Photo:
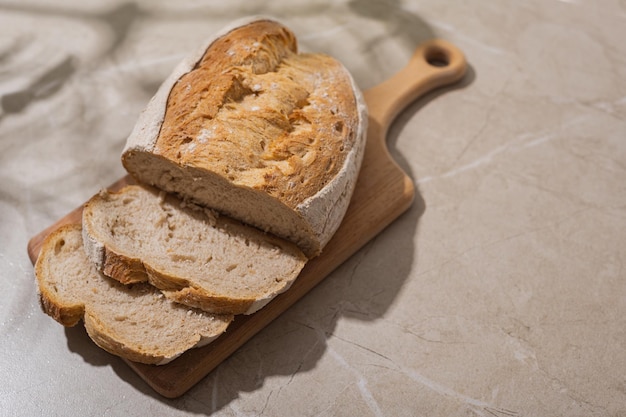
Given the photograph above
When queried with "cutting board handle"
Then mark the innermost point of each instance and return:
(434, 63)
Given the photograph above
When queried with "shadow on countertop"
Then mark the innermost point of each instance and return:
(305, 343)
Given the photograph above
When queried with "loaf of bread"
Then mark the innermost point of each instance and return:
(252, 128)
(195, 256)
(253, 150)
(132, 321)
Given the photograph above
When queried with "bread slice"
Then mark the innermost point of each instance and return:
(250, 127)
(194, 256)
(135, 322)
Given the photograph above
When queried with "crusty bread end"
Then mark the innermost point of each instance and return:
(135, 322)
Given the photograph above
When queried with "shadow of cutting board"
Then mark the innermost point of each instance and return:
(383, 192)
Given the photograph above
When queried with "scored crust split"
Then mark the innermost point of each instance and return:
(252, 128)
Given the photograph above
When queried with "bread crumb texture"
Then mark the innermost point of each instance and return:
(200, 259)
(260, 115)
(132, 321)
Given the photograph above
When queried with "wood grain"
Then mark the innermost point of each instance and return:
(382, 193)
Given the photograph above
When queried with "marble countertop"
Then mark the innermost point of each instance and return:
(501, 292)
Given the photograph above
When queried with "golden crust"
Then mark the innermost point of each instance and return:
(262, 116)
(66, 314)
(125, 269)
(181, 291)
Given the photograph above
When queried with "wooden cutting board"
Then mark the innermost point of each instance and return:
(383, 192)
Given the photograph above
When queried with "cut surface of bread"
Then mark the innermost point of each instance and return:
(135, 322)
(252, 128)
(193, 255)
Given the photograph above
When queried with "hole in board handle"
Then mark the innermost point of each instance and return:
(437, 57)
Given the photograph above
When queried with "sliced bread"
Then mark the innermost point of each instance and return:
(250, 127)
(193, 255)
(135, 322)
